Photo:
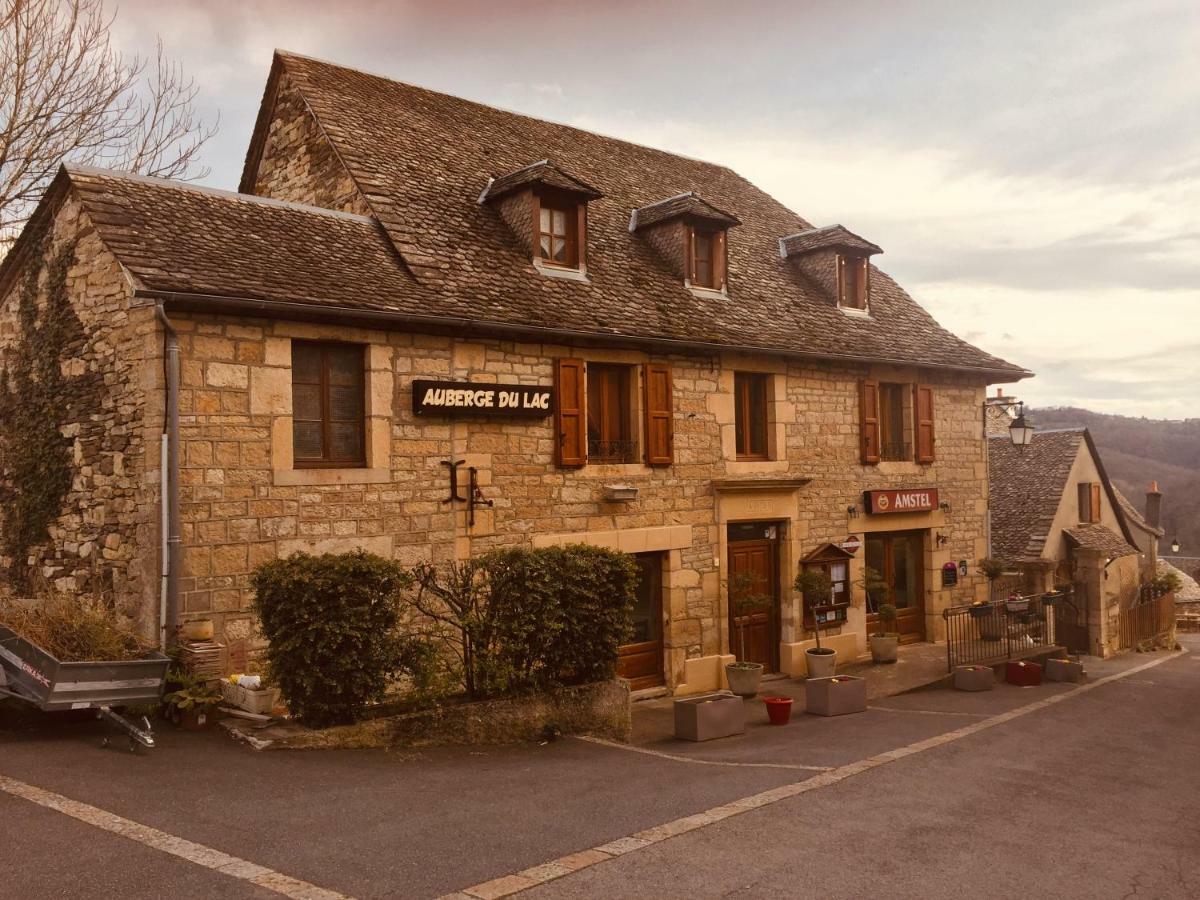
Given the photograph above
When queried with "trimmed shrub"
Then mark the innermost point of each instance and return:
(331, 623)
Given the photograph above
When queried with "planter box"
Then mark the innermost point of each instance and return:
(974, 678)
(260, 701)
(836, 696)
(1064, 670)
(709, 716)
(1023, 673)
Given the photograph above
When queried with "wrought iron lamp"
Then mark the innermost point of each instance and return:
(1175, 545)
(1020, 431)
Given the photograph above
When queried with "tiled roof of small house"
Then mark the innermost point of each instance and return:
(1189, 589)
(825, 238)
(1094, 536)
(689, 205)
(1026, 488)
(1133, 516)
(420, 159)
(542, 172)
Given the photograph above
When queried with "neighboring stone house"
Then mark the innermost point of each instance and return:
(606, 343)
(1058, 520)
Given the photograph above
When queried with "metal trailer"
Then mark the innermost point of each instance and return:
(30, 674)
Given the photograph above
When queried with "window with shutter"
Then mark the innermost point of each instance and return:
(868, 409)
(706, 258)
(559, 227)
(1095, 507)
(570, 416)
(750, 414)
(328, 405)
(610, 414)
(1085, 502)
(923, 402)
(660, 414)
(853, 279)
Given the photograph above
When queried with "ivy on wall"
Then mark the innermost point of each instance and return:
(35, 458)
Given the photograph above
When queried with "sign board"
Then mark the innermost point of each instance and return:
(918, 500)
(851, 544)
(949, 574)
(458, 398)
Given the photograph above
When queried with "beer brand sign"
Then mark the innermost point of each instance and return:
(456, 398)
(914, 500)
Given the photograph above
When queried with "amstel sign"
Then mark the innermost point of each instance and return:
(879, 503)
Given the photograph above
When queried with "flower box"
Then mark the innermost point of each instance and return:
(974, 678)
(836, 696)
(709, 716)
(1023, 673)
(1064, 670)
(260, 702)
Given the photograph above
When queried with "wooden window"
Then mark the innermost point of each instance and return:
(1089, 502)
(660, 414)
(706, 258)
(1095, 502)
(559, 224)
(868, 413)
(610, 414)
(750, 414)
(895, 443)
(328, 402)
(570, 415)
(853, 275)
(923, 419)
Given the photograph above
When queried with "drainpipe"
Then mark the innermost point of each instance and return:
(172, 540)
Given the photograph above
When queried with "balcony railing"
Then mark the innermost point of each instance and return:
(1002, 629)
(612, 451)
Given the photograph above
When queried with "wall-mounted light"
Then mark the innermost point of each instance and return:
(852, 512)
(944, 506)
(942, 539)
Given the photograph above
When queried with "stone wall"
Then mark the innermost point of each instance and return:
(106, 536)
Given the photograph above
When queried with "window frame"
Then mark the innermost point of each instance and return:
(717, 259)
(326, 461)
(860, 302)
(611, 379)
(743, 383)
(899, 393)
(575, 221)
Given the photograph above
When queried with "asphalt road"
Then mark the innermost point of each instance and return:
(1094, 796)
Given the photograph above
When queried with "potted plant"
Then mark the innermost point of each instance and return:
(885, 643)
(992, 569)
(815, 587)
(191, 705)
(744, 677)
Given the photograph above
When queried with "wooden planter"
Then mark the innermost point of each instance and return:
(709, 716)
(836, 696)
(1064, 670)
(974, 678)
(1023, 673)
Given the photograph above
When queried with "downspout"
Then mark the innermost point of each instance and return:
(172, 540)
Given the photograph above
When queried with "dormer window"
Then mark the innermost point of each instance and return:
(708, 258)
(685, 222)
(559, 224)
(853, 281)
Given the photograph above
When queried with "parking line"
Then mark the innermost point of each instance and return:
(515, 883)
(929, 712)
(186, 850)
(674, 757)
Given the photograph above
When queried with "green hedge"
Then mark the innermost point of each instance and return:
(331, 623)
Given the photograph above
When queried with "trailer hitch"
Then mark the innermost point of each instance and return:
(143, 735)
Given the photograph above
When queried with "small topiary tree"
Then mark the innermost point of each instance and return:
(331, 623)
(815, 586)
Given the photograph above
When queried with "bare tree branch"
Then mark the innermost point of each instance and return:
(68, 96)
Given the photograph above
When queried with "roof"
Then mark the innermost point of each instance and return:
(1133, 516)
(175, 237)
(828, 237)
(420, 159)
(1189, 590)
(542, 172)
(689, 205)
(1026, 488)
(1094, 536)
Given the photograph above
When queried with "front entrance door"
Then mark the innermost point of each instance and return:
(899, 557)
(641, 660)
(754, 597)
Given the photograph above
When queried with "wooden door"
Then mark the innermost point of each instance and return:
(754, 633)
(899, 557)
(641, 660)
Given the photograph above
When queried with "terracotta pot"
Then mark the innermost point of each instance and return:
(198, 718)
(744, 678)
(820, 665)
(779, 709)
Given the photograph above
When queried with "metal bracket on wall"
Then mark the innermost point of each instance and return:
(453, 466)
(475, 496)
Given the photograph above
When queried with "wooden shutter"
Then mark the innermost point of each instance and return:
(570, 417)
(923, 405)
(689, 253)
(1095, 510)
(718, 260)
(660, 415)
(868, 411)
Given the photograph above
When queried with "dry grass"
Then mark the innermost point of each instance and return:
(74, 628)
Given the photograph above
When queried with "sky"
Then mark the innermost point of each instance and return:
(1031, 169)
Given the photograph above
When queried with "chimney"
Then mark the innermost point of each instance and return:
(1154, 505)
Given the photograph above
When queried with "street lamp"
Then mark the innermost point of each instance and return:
(1175, 545)
(1020, 431)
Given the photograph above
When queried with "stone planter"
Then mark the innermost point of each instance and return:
(836, 696)
(744, 678)
(1064, 670)
(821, 664)
(709, 716)
(885, 648)
(1023, 673)
(974, 678)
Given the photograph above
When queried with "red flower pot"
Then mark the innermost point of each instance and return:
(1023, 673)
(779, 709)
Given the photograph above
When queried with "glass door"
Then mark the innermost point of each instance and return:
(899, 559)
(641, 660)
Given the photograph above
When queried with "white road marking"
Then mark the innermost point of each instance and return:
(169, 843)
(507, 885)
(697, 762)
(929, 712)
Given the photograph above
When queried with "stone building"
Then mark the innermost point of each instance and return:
(600, 342)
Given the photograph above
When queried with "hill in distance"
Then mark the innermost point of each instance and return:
(1137, 451)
